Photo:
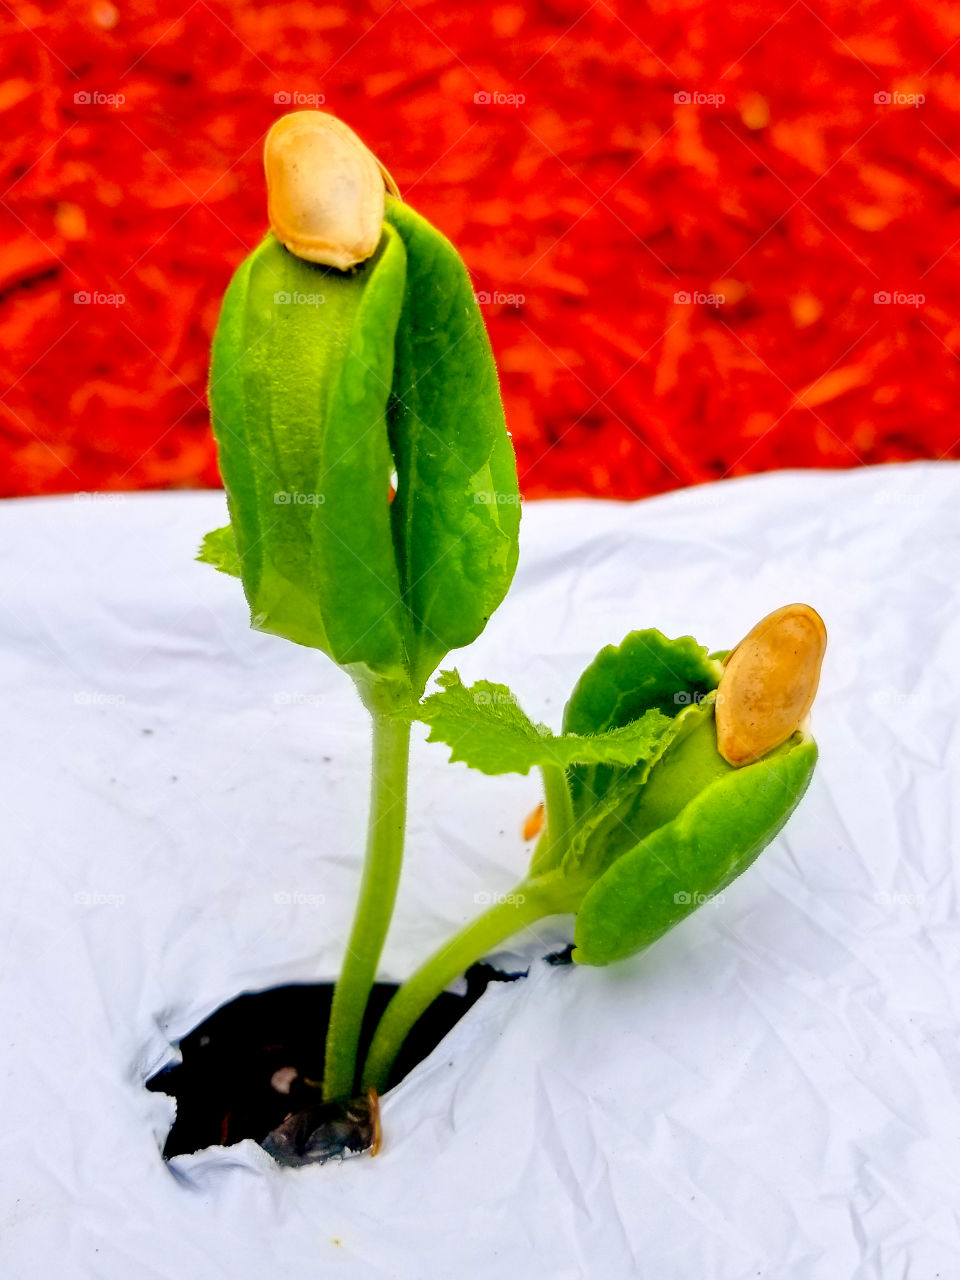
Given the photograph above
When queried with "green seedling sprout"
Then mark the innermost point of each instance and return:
(370, 480)
(374, 513)
(672, 773)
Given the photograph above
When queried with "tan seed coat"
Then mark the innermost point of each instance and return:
(325, 189)
(769, 683)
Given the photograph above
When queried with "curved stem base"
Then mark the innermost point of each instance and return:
(515, 911)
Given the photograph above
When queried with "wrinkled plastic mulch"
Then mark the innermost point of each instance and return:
(781, 167)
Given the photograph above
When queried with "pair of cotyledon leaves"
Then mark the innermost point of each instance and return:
(326, 385)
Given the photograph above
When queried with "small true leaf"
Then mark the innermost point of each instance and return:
(485, 727)
(219, 548)
(647, 671)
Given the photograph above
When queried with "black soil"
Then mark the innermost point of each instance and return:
(259, 1058)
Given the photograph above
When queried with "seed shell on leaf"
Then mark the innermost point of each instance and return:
(769, 683)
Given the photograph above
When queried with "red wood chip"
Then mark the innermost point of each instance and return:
(707, 240)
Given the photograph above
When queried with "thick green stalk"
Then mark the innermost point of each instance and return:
(528, 903)
(378, 891)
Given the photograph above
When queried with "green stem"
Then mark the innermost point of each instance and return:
(378, 891)
(513, 912)
(559, 821)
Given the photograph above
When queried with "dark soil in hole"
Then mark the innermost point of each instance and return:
(251, 1063)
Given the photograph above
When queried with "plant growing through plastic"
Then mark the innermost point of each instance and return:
(324, 384)
(374, 514)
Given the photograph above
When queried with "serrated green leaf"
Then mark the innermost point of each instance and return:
(219, 548)
(485, 727)
(689, 859)
(647, 671)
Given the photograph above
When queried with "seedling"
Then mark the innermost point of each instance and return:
(374, 513)
(646, 816)
(371, 484)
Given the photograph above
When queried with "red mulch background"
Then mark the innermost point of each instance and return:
(596, 200)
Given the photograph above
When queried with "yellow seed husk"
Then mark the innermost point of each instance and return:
(325, 189)
(769, 683)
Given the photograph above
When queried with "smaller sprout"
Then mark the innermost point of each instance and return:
(769, 683)
(325, 189)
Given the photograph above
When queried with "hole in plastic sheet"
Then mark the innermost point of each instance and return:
(259, 1059)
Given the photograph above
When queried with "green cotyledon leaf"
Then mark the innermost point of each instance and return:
(219, 548)
(485, 727)
(323, 385)
(646, 671)
(301, 372)
(457, 509)
(688, 859)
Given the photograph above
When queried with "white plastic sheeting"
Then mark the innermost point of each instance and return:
(773, 1090)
